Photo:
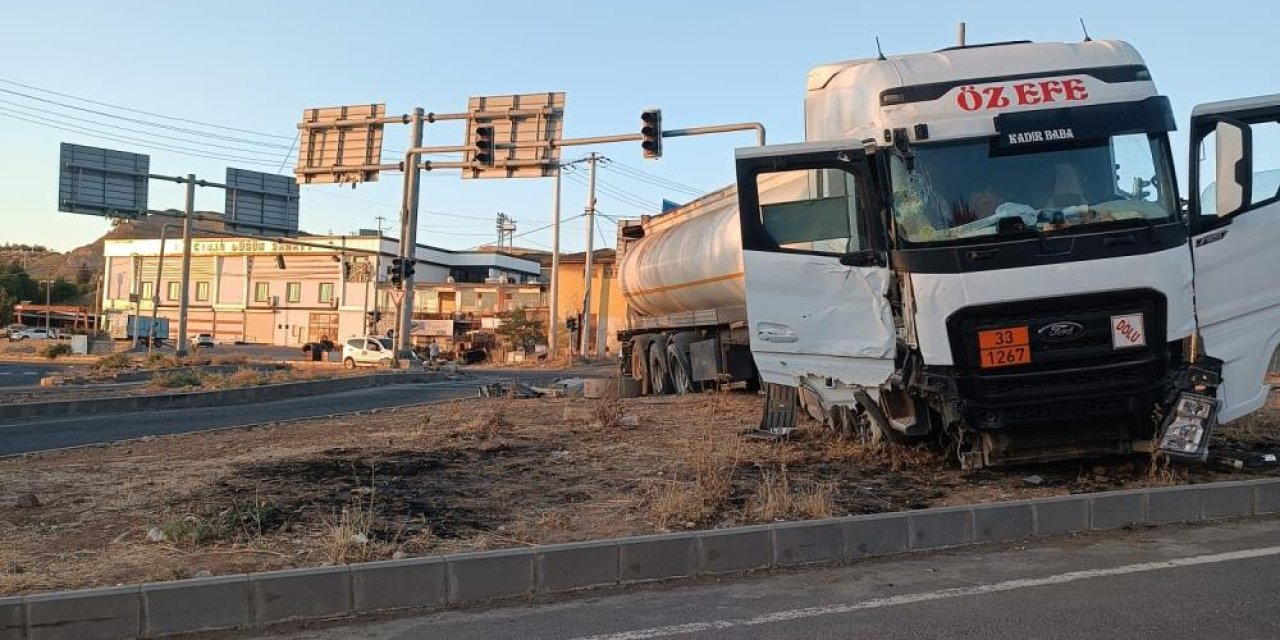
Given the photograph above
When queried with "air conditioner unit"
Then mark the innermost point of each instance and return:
(275, 301)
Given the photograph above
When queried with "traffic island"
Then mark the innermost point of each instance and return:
(261, 599)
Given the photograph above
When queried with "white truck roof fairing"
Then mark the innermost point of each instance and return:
(956, 93)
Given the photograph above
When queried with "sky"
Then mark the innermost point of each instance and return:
(255, 66)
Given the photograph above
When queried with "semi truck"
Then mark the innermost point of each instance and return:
(982, 245)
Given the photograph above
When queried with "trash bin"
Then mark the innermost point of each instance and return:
(317, 353)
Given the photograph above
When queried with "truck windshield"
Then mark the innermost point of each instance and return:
(975, 189)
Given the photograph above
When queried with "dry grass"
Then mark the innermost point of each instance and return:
(777, 499)
(471, 475)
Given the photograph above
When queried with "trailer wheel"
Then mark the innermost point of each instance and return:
(660, 382)
(681, 374)
(640, 363)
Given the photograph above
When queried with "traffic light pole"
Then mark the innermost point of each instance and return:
(185, 287)
(553, 322)
(409, 235)
(583, 331)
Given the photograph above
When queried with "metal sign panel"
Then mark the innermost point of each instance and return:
(532, 122)
(348, 137)
(102, 182)
(261, 200)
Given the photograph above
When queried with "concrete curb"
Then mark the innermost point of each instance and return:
(256, 600)
(246, 395)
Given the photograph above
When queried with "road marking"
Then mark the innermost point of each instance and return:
(944, 594)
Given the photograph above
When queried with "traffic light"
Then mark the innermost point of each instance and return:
(571, 323)
(395, 272)
(406, 268)
(651, 133)
(482, 145)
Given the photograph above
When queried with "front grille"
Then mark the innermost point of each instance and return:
(1087, 367)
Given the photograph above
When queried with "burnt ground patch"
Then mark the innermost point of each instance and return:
(448, 493)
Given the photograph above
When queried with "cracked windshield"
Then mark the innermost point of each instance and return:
(972, 189)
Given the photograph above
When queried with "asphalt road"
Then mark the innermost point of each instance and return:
(1171, 583)
(32, 435)
(26, 374)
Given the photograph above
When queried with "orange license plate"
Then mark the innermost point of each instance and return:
(1004, 347)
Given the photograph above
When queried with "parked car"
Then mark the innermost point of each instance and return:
(369, 351)
(202, 340)
(34, 333)
(11, 330)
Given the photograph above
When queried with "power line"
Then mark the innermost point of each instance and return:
(146, 144)
(532, 231)
(620, 198)
(44, 115)
(289, 153)
(147, 113)
(642, 175)
(216, 136)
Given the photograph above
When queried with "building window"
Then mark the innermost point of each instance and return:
(147, 290)
(326, 292)
(294, 292)
(202, 292)
(175, 290)
(261, 292)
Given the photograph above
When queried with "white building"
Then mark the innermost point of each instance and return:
(267, 292)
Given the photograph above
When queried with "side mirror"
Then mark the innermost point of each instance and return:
(1233, 166)
(859, 259)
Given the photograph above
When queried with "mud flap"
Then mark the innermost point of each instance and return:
(779, 410)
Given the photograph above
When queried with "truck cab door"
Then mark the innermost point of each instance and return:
(1235, 229)
(814, 265)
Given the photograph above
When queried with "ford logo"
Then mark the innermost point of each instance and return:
(1062, 331)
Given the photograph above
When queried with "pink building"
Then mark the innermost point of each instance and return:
(267, 292)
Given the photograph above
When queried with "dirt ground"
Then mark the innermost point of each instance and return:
(476, 474)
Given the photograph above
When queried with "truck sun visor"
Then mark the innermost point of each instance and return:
(1055, 126)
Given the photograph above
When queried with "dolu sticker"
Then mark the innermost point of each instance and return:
(1128, 331)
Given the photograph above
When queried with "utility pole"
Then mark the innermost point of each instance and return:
(48, 300)
(553, 321)
(185, 287)
(584, 347)
(409, 237)
(155, 293)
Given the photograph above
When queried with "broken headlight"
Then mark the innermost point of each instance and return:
(1186, 430)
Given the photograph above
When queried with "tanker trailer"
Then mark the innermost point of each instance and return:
(682, 277)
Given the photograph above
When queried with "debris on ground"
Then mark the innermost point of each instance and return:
(1034, 481)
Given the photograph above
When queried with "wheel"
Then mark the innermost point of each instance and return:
(349, 363)
(385, 362)
(681, 377)
(659, 381)
(640, 368)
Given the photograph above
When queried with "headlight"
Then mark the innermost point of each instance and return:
(1186, 430)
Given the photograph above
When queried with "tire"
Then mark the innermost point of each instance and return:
(385, 362)
(640, 368)
(659, 381)
(678, 371)
(349, 363)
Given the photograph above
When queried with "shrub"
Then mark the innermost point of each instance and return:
(113, 362)
(177, 379)
(52, 351)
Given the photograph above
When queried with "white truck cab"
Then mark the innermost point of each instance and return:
(988, 242)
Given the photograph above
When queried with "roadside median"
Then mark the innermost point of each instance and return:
(191, 400)
(259, 600)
